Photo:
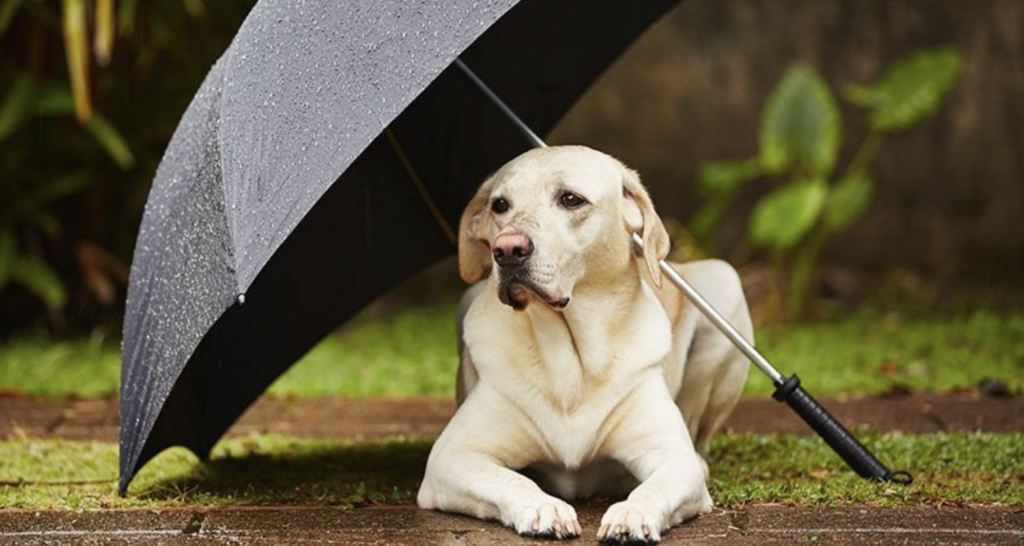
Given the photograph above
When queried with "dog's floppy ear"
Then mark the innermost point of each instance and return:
(656, 241)
(474, 246)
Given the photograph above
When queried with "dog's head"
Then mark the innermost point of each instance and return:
(555, 218)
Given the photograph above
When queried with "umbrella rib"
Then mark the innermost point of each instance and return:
(420, 186)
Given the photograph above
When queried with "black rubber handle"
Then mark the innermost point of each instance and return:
(834, 433)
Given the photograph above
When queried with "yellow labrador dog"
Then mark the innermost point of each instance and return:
(577, 369)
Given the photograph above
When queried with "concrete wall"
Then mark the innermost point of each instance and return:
(951, 191)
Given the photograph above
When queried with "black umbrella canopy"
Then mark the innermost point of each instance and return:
(326, 157)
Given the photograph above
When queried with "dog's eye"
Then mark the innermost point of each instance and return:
(570, 200)
(499, 205)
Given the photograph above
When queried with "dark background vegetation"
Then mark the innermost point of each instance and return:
(950, 198)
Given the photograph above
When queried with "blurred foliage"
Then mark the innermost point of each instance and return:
(800, 140)
(90, 93)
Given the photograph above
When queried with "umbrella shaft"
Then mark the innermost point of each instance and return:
(500, 104)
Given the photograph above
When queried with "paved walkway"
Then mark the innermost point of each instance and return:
(919, 525)
(376, 418)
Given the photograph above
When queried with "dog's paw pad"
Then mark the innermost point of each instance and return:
(627, 522)
(551, 518)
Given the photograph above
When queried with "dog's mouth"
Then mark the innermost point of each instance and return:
(517, 291)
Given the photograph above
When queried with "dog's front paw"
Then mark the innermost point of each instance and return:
(549, 518)
(629, 521)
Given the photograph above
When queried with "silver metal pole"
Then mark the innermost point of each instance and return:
(702, 304)
(500, 104)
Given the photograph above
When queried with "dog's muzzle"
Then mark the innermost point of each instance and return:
(511, 249)
(515, 287)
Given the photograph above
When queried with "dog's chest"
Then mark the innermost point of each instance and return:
(571, 440)
(576, 438)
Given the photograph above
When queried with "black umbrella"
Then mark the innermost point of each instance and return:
(324, 159)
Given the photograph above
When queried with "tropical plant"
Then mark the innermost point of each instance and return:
(90, 92)
(800, 139)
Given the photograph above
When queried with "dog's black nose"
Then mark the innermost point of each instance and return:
(512, 249)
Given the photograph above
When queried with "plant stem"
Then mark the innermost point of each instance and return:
(805, 260)
(802, 271)
(865, 154)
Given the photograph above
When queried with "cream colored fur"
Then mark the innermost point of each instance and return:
(621, 388)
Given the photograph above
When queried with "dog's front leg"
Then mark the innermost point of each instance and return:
(475, 484)
(470, 471)
(658, 452)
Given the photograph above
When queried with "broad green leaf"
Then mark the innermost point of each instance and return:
(8, 252)
(784, 216)
(911, 89)
(849, 201)
(801, 129)
(7, 13)
(112, 141)
(17, 105)
(38, 278)
(723, 177)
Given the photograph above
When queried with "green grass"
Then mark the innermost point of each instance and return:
(971, 468)
(89, 367)
(874, 351)
(411, 351)
(405, 353)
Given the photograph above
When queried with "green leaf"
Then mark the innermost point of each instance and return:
(51, 190)
(40, 279)
(724, 177)
(784, 216)
(54, 99)
(8, 252)
(48, 224)
(801, 129)
(28, 97)
(111, 140)
(196, 9)
(76, 52)
(126, 16)
(17, 105)
(849, 201)
(910, 90)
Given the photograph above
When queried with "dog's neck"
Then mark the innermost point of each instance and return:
(607, 329)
